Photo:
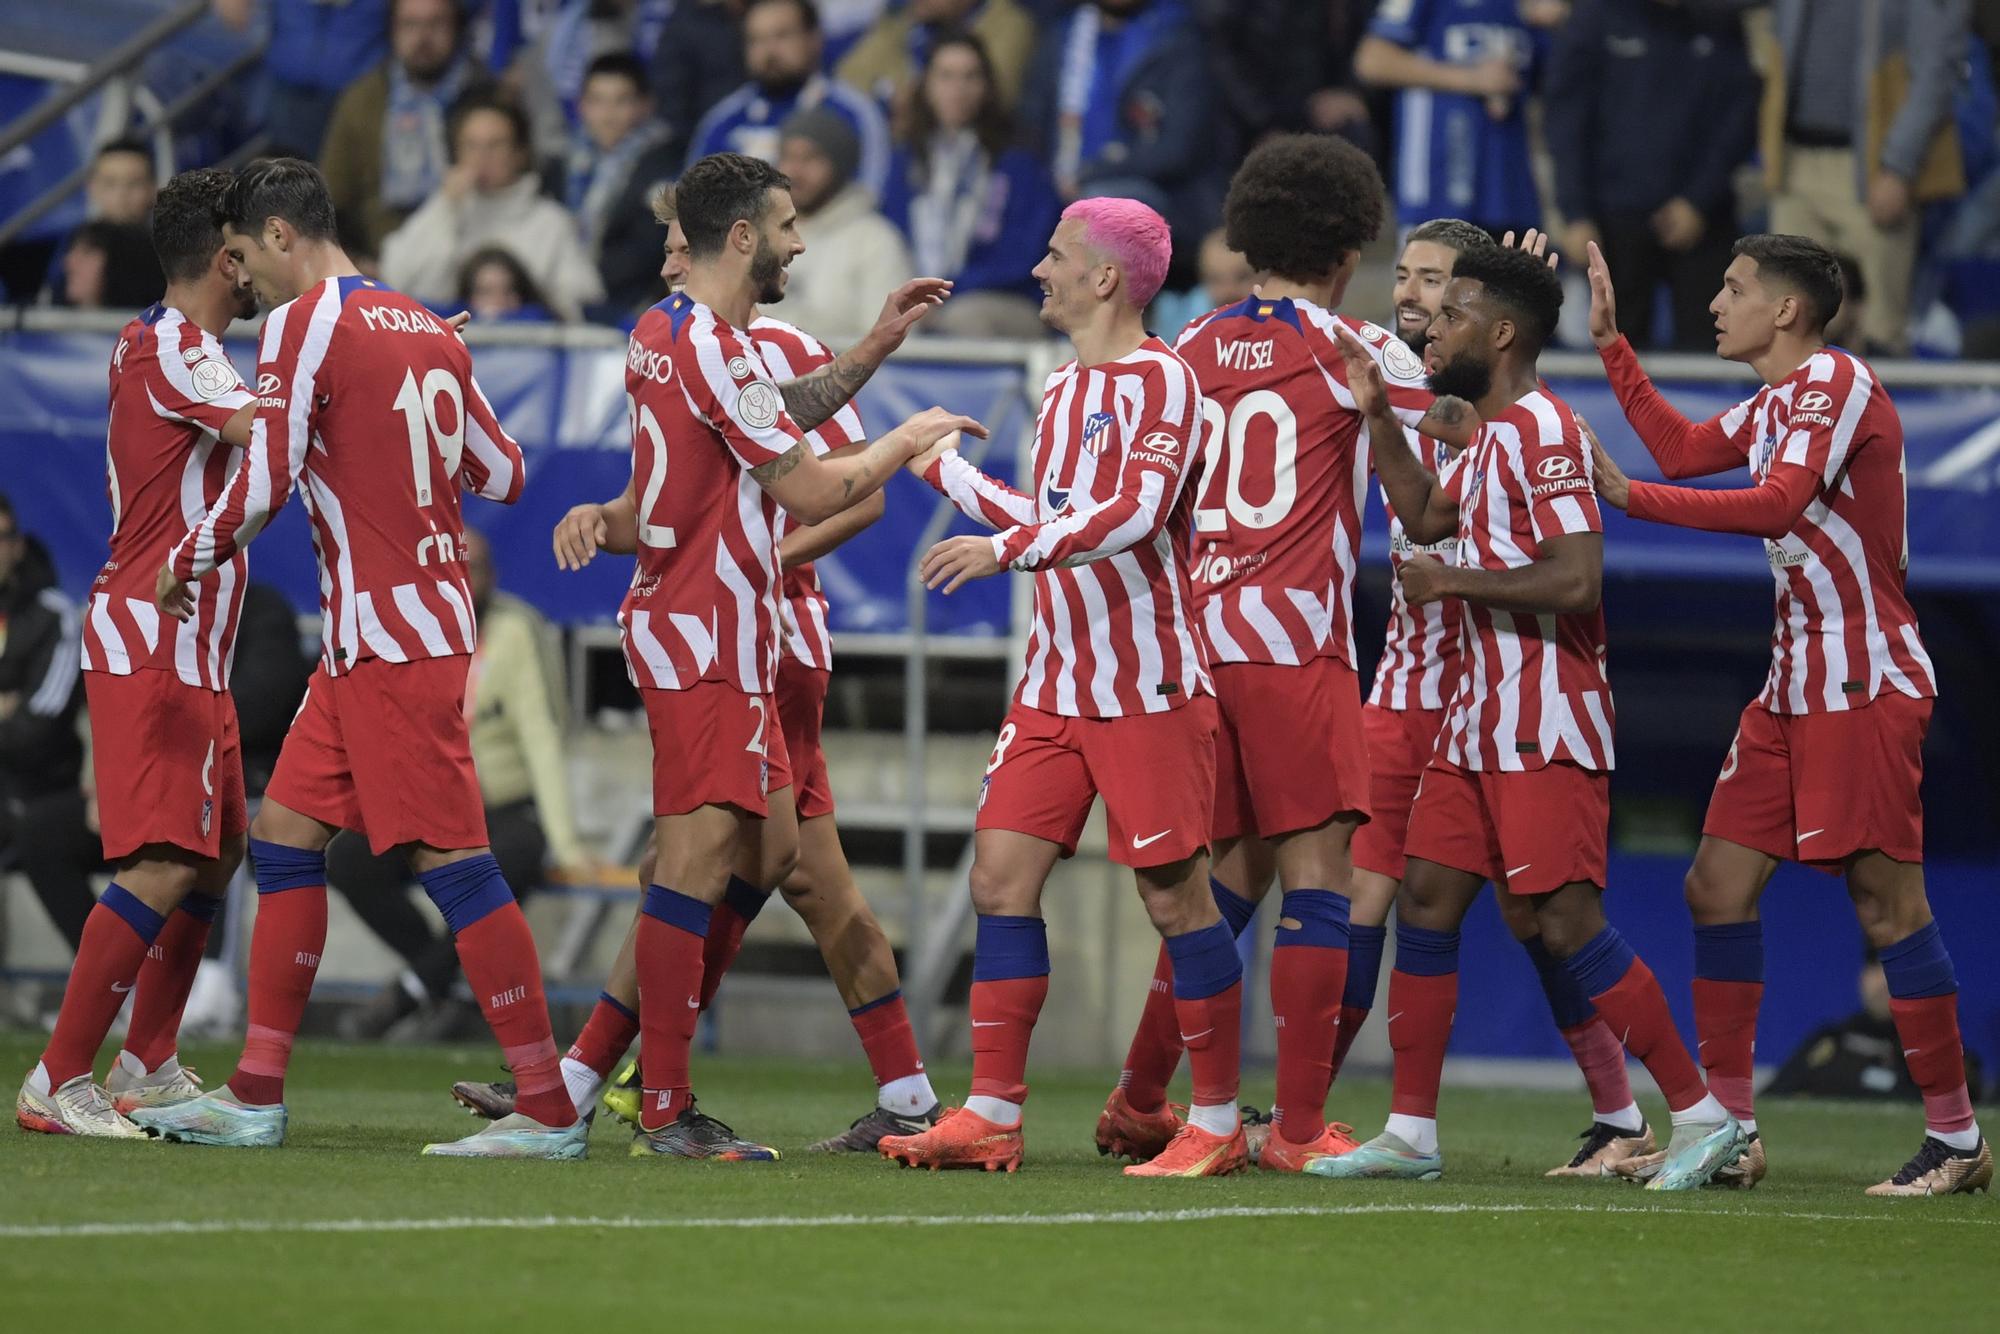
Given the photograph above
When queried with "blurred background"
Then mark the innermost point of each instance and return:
(496, 157)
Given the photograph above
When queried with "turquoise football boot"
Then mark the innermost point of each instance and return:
(1384, 1158)
(214, 1118)
(519, 1136)
(1697, 1152)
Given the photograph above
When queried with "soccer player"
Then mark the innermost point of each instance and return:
(701, 618)
(820, 885)
(168, 764)
(1403, 717)
(1518, 791)
(367, 403)
(1826, 763)
(1115, 698)
(1277, 526)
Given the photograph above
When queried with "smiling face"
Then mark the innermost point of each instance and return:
(1422, 271)
(1072, 278)
(675, 263)
(778, 244)
(1747, 311)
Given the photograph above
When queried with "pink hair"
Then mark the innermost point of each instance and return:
(1133, 237)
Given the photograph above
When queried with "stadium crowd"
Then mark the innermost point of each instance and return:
(493, 155)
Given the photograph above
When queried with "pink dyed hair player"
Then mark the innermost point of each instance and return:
(1133, 236)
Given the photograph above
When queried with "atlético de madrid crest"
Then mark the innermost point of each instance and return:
(1095, 428)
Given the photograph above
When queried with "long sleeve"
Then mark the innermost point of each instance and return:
(421, 256)
(1936, 34)
(978, 497)
(492, 467)
(1681, 447)
(1767, 510)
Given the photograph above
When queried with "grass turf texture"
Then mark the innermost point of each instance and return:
(1491, 1247)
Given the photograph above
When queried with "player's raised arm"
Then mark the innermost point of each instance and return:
(979, 497)
(1428, 514)
(813, 398)
(813, 489)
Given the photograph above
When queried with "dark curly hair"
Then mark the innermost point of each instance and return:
(1516, 280)
(720, 191)
(1802, 264)
(1300, 202)
(185, 233)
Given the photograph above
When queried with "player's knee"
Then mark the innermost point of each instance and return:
(779, 863)
(996, 892)
(1713, 899)
(1889, 914)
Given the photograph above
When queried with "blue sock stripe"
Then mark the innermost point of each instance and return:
(665, 905)
(1731, 952)
(202, 907)
(1917, 966)
(137, 915)
(606, 998)
(1568, 1006)
(1599, 965)
(1424, 953)
(744, 899)
(1008, 947)
(1205, 962)
(1321, 915)
(1364, 965)
(467, 891)
(1235, 909)
(875, 1004)
(280, 867)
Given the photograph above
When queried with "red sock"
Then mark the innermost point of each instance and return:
(741, 903)
(886, 1036)
(1421, 1008)
(107, 963)
(1636, 1010)
(1928, 1027)
(1156, 1046)
(1215, 1057)
(1306, 986)
(1352, 1017)
(670, 972)
(605, 1037)
(285, 946)
(1602, 1059)
(1725, 1021)
(1003, 1020)
(164, 982)
(498, 955)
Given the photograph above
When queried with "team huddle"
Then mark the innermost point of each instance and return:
(1192, 523)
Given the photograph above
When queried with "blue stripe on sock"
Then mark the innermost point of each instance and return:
(467, 891)
(1205, 962)
(744, 899)
(280, 867)
(1567, 1003)
(142, 919)
(1602, 962)
(664, 905)
(1917, 966)
(202, 907)
(1007, 947)
(607, 998)
(1235, 909)
(1364, 965)
(875, 1004)
(1321, 915)
(1424, 953)
(1732, 952)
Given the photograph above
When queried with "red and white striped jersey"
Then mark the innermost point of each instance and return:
(367, 404)
(703, 603)
(1530, 689)
(790, 352)
(1107, 534)
(1420, 649)
(1277, 516)
(172, 391)
(1845, 629)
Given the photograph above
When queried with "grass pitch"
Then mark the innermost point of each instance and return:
(347, 1228)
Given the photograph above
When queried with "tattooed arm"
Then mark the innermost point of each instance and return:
(814, 489)
(813, 398)
(1452, 420)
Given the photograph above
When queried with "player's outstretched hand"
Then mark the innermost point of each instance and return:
(579, 535)
(905, 306)
(172, 596)
(1613, 486)
(931, 425)
(957, 559)
(1535, 242)
(1423, 580)
(920, 462)
(1603, 301)
(1364, 377)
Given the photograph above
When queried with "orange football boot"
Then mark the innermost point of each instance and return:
(1281, 1155)
(1195, 1152)
(959, 1139)
(1124, 1131)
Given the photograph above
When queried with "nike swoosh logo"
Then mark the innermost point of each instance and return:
(1190, 1037)
(1809, 833)
(694, 1003)
(1394, 1017)
(1518, 869)
(1150, 839)
(988, 1023)
(121, 990)
(1912, 1051)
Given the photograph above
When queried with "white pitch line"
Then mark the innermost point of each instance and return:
(551, 1222)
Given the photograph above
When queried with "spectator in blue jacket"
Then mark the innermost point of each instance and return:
(1650, 110)
(1120, 102)
(782, 50)
(974, 209)
(316, 50)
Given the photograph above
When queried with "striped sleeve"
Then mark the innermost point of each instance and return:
(1410, 395)
(188, 378)
(1681, 447)
(978, 497)
(493, 467)
(1554, 472)
(731, 388)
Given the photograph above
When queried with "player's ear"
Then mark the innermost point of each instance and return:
(1505, 334)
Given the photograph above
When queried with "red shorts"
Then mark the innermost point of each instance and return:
(1819, 787)
(713, 745)
(168, 765)
(1528, 832)
(383, 749)
(1400, 743)
(1289, 753)
(801, 706)
(1156, 772)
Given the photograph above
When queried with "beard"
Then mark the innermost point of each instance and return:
(1464, 376)
(246, 303)
(767, 273)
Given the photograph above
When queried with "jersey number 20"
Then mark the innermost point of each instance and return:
(1230, 430)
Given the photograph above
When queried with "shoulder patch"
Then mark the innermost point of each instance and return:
(759, 404)
(213, 378)
(1402, 363)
